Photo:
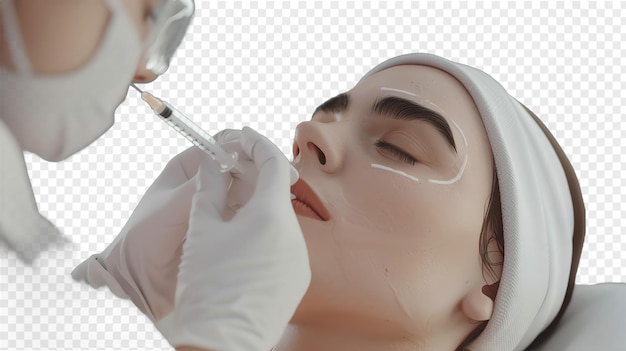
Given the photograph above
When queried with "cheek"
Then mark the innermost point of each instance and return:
(380, 205)
(394, 247)
(398, 227)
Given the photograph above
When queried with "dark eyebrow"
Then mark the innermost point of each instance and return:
(338, 103)
(397, 108)
(403, 109)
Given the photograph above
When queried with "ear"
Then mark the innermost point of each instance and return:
(478, 303)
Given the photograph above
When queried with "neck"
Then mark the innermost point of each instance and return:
(315, 338)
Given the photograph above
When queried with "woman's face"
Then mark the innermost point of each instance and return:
(403, 168)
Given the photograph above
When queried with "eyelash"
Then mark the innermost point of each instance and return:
(401, 155)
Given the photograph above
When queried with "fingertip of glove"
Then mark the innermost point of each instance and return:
(248, 137)
(247, 131)
(293, 173)
(266, 151)
(227, 135)
(78, 273)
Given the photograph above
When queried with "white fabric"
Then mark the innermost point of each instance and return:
(22, 228)
(594, 320)
(55, 116)
(537, 210)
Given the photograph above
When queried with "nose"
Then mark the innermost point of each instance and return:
(319, 143)
(142, 74)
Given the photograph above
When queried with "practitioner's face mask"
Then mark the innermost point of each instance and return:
(55, 116)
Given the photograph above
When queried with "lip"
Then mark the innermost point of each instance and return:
(307, 203)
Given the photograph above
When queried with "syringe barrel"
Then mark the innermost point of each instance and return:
(198, 137)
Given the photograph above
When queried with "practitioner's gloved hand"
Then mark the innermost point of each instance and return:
(240, 280)
(142, 262)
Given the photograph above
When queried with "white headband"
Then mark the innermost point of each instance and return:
(537, 210)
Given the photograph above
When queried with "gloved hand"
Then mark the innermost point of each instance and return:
(240, 280)
(142, 262)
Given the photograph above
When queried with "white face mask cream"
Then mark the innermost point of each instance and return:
(398, 91)
(433, 181)
(404, 174)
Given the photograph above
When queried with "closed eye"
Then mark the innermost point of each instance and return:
(395, 151)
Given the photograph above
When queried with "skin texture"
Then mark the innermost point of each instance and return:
(55, 46)
(397, 266)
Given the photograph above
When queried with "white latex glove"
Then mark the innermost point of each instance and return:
(142, 262)
(240, 280)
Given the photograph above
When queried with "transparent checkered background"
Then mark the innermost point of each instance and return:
(267, 65)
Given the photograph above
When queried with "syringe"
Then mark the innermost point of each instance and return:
(189, 130)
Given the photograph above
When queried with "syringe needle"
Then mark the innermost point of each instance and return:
(190, 130)
(136, 88)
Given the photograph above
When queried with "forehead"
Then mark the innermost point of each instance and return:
(426, 85)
